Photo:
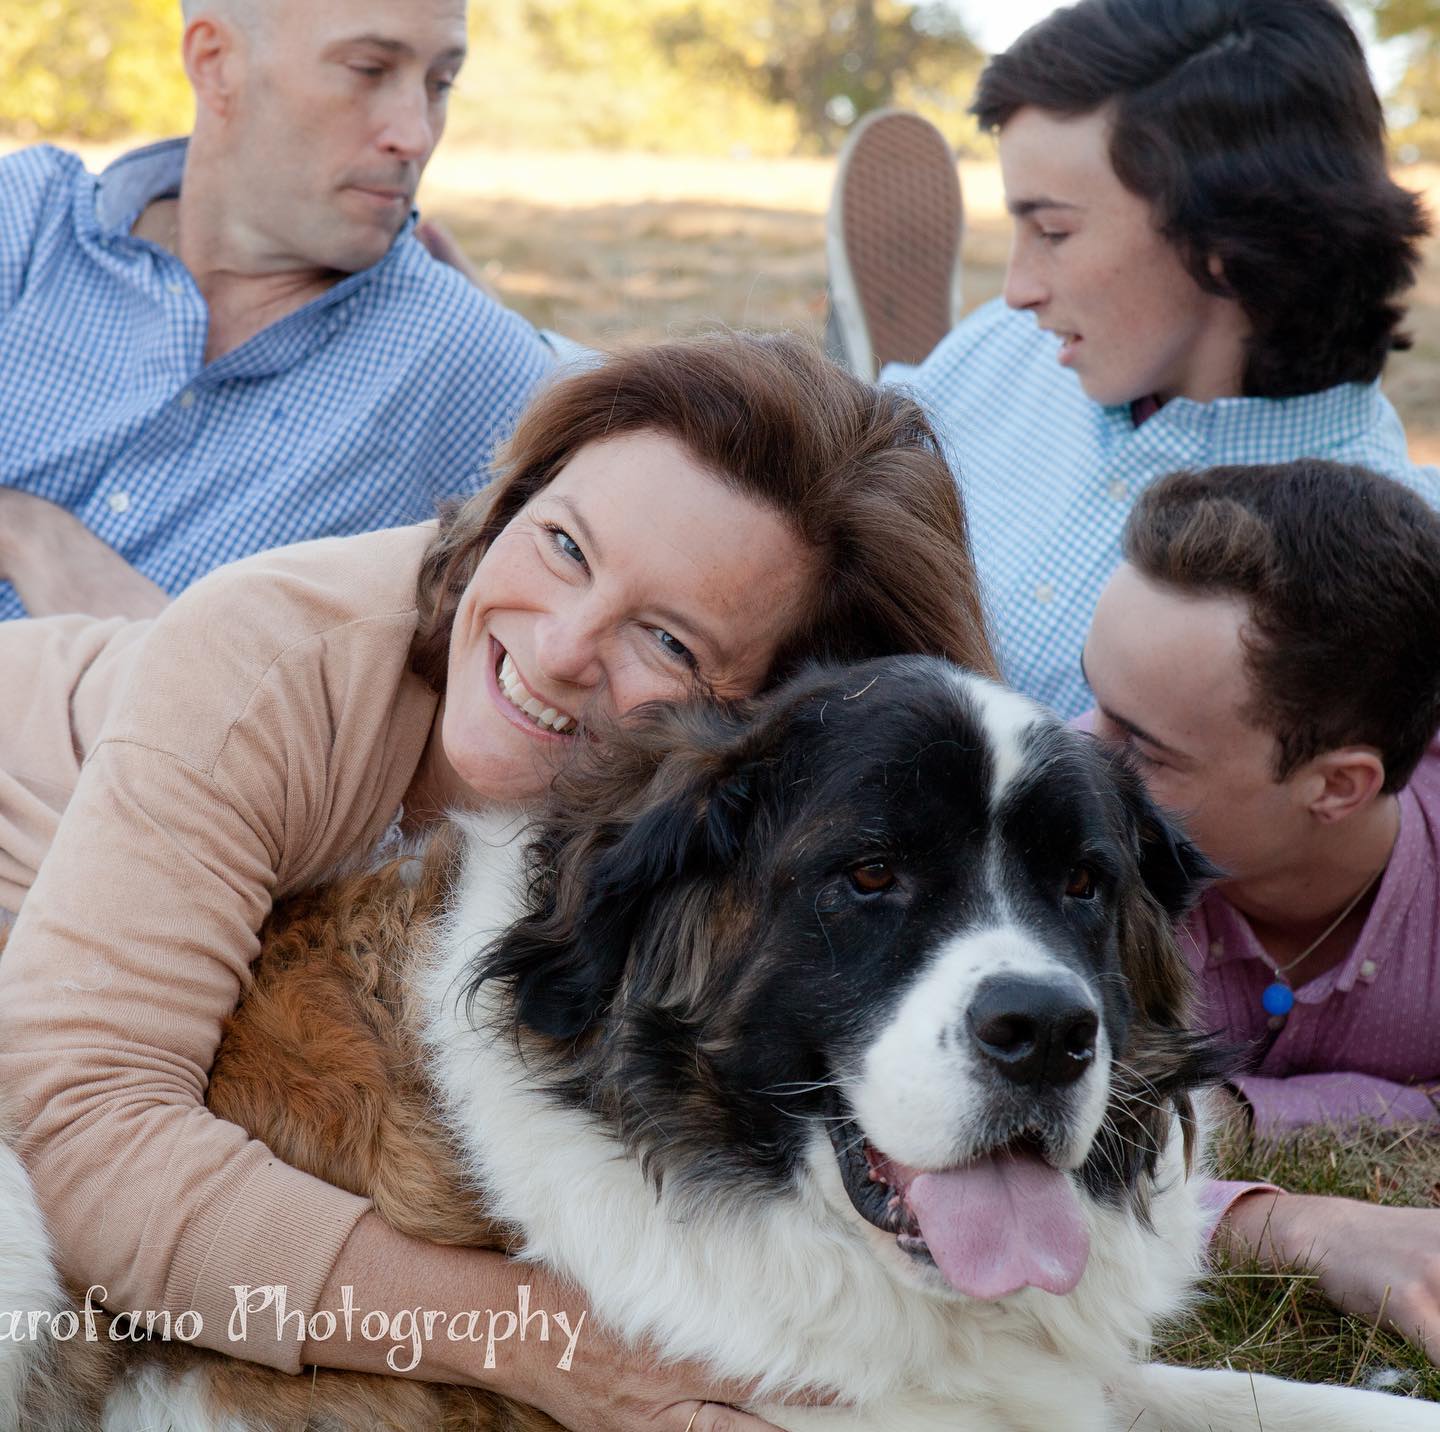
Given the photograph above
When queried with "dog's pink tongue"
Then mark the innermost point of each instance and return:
(1001, 1224)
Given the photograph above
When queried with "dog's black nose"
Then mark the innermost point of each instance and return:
(1034, 1031)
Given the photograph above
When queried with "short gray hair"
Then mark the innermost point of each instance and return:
(242, 12)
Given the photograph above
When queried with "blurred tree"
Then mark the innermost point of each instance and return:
(1405, 17)
(1415, 103)
(92, 68)
(833, 62)
(771, 76)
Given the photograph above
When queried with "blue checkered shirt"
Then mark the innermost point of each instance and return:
(1049, 476)
(358, 411)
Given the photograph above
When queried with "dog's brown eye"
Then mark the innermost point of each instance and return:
(872, 877)
(1081, 883)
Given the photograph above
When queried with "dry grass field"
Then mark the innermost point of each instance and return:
(606, 248)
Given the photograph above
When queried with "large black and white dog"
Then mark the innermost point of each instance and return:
(848, 1045)
(837, 1042)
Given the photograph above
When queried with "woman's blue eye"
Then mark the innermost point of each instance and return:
(567, 544)
(675, 647)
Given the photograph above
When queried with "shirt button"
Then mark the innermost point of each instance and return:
(175, 286)
(119, 501)
(1217, 947)
(1367, 969)
(1117, 491)
(187, 398)
(1044, 594)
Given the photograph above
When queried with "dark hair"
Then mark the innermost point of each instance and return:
(854, 469)
(1254, 132)
(1340, 570)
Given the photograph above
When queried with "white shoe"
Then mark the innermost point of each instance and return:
(892, 242)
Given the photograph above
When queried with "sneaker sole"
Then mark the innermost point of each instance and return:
(893, 241)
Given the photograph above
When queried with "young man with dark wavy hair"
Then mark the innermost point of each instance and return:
(1269, 654)
(1207, 257)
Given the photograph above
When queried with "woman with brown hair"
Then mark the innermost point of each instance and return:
(691, 518)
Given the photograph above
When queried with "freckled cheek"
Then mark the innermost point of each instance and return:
(749, 679)
(510, 577)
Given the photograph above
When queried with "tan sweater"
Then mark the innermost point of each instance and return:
(268, 731)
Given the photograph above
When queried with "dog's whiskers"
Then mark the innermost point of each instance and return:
(811, 1118)
(793, 1088)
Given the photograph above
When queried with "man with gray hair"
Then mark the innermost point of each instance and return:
(236, 341)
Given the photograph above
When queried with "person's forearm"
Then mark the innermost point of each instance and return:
(470, 1295)
(1248, 1228)
(1378, 1263)
(106, 1044)
(58, 566)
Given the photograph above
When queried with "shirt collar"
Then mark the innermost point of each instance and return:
(140, 177)
(1269, 429)
(136, 179)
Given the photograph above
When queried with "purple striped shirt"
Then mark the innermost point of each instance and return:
(1363, 1039)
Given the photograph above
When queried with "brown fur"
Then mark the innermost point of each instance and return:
(320, 1062)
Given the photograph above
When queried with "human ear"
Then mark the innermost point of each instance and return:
(1347, 781)
(210, 50)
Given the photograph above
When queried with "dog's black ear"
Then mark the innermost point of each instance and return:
(567, 959)
(1174, 869)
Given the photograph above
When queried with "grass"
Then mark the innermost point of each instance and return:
(1255, 1320)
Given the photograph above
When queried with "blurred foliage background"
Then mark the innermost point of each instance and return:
(92, 69)
(1414, 104)
(763, 77)
(693, 76)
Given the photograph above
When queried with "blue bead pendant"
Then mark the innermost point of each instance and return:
(1278, 999)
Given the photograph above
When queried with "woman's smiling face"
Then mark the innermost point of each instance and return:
(634, 576)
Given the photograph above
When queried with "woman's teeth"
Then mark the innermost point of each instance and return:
(517, 696)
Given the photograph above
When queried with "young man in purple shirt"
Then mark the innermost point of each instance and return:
(1269, 654)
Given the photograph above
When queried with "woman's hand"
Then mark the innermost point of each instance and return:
(605, 1385)
(1381, 1264)
(613, 1387)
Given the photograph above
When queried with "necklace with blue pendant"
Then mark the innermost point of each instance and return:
(1277, 999)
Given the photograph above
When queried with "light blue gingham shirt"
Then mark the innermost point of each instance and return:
(358, 411)
(1049, 476)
